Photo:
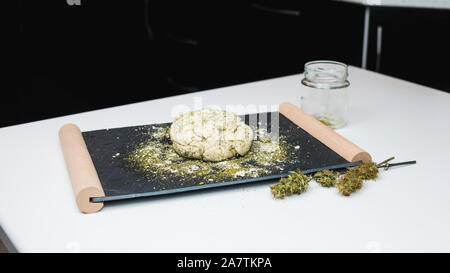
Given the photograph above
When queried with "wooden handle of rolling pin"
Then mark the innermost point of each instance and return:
(82, 173)
(324, 134)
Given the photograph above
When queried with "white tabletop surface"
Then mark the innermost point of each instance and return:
(436, 4)
(406, 209)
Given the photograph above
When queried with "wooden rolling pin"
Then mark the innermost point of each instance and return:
(82, 173)
(324, 134)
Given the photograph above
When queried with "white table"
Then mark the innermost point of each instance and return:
(406, 209)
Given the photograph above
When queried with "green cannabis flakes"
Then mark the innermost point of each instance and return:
(155, 159)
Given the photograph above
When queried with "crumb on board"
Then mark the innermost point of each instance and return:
(155, 158)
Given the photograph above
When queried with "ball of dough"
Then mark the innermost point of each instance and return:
(210, 135)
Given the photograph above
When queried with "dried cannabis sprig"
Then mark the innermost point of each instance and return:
(365, 171)
(349, 183)
(326, 178)
(352, 180)
(295, 183)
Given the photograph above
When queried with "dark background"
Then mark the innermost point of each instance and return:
(103, 53)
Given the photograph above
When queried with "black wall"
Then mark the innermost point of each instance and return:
(105, 53)
(415, 45)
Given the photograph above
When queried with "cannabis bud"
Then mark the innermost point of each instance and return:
(295, 183)
(326, 178)
(352, 180)
(365, 171)
(349, 183)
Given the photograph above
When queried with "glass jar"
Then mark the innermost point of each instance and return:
(325, 95)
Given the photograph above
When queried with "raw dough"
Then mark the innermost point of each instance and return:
(210, 135)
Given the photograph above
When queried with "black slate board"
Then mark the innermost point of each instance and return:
(106, 148)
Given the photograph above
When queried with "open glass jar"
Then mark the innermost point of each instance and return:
(325, 95)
